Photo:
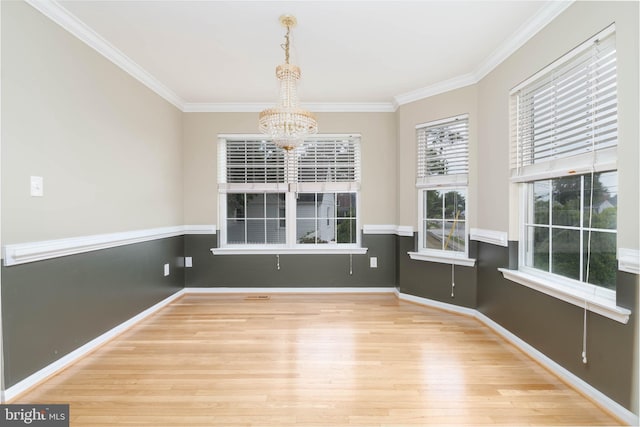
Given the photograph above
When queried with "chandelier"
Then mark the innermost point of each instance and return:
(287, 123)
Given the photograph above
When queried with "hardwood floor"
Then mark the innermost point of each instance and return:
(312, 359)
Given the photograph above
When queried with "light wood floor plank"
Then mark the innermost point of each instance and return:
(311, 360)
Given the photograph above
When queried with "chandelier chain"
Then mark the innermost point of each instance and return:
(285, 45)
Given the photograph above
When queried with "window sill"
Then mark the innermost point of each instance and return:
(289, 251)
(443, 259)
(596, 304)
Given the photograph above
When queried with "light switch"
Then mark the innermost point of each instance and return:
(166, 269)
(37, 186)
(188, 262)
(373, 262)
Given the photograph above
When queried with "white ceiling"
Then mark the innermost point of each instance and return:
(212, 55)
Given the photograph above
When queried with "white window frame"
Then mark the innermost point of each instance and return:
(444, 182)
(591, 297)
(290, 190)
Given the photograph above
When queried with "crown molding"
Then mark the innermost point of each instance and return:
(61, 16)
(57, 13)
(319, 107)
(523, 34)
(435, 89)
(350, 107)
(225, 107)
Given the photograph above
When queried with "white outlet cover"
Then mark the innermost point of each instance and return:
(166, 269)
(37, 186)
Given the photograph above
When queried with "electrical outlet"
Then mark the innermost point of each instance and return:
(373, 262)
(166, 269)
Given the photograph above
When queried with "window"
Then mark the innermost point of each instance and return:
(308, 197)
(570, 228)
(442, 178)
(444, 220)
(564, 139)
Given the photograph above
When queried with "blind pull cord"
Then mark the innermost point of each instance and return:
(588, 268)
(584, 334)
(453, 283)
(350, 264)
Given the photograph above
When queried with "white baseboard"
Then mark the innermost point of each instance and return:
(567, 376)
(576, 382)
(337, 290)
(70, 358)
(436, 304)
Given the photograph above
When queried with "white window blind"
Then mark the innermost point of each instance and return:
(249, 161)
(329, 160)
(443, 152)
(253, 164)
(564, 119)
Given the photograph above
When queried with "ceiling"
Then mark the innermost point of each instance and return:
(360, 55)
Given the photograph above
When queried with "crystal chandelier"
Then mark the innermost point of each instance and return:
(287, 123)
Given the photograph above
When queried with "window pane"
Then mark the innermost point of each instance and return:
(434, 235)
(255, 205)
(605, 200)
(346, 205)
(566, 201)
(326, 205)
(255, 231)
(306, 231)
(566, 253)
(541, 192)
(235, 205)
(275, 205)
(538, 247)
(235, 231)
(434, 204)
(306, 205)
(326, 230)
(347, 231)
(454, 205)
(454, 236)
(602, 262)
(276, 234)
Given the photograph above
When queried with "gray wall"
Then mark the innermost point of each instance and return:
(433, 280)
(554, 327)
(52, 307)
(237, 271)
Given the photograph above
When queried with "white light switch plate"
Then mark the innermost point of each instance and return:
(373, 262)
(37, 186)
(188, 261)
(166, 269)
